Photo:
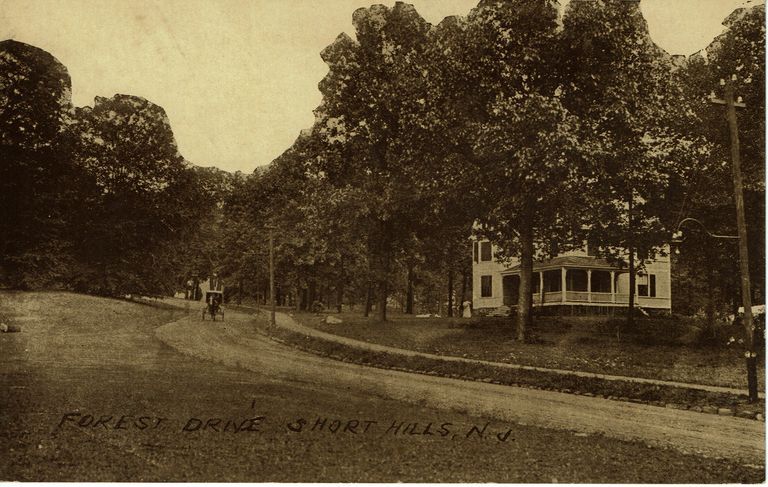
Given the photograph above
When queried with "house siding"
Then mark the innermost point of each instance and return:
(660, 267)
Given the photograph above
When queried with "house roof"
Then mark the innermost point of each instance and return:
(570, 261)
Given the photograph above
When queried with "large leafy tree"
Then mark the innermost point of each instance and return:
(622, 85)
(144, 197)
(739, 51)
(521, 144)
(373, 104)
(39, 193)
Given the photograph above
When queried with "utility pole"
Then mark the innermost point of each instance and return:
(746, 296)
(271, 229)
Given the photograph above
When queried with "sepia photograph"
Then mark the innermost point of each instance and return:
(421, 241)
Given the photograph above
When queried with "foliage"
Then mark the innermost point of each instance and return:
(38, 193)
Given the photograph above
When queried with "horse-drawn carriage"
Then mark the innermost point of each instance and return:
(212, 297)
(213, 308)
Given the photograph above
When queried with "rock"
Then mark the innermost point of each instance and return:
(696, 408)
(3, 327)
(759, 417)
(588, 394)
(725, 412)
(745, 414)
(332, 320)
(709, 409)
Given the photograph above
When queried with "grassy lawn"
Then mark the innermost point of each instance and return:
(571, 343)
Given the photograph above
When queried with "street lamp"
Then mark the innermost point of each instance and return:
(746, 297)
(677, 236)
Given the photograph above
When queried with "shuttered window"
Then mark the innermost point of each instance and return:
(485, 252)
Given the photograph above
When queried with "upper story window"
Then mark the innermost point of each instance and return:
(476, 251)
(486, 254)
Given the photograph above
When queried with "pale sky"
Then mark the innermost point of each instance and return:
(238, 78)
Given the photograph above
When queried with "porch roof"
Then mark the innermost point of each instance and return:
(569, 261)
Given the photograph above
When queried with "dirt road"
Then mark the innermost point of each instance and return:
(236, 343)
(90, 394)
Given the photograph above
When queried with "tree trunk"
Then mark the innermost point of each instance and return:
(464, 279)
(409, 292)
(340, 286)
(383, 261)
(525, 297)
(632, 276)
(450, 293)
(382, 297)
(368, 299)
(311, 294)
(710, 310)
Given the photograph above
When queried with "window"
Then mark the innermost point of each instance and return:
(485, 252)
(646, 285)
(554, 248)
(486, 286)
(476, 252)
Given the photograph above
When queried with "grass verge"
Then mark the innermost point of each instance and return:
(657, 395)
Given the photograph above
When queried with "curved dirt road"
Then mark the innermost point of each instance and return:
(236, 343)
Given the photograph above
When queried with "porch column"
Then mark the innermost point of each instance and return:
(541, 287)
(589, 285)
(563, 282)
(613, 286)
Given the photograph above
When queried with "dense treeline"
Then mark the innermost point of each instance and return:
(94, 199)
(534, 131)
(514, 124)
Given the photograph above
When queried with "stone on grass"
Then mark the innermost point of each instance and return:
(725, 412)
(759, 417)
(745, 414)
(709, 409)
(332, 320)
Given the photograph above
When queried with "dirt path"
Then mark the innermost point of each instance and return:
(236, 343)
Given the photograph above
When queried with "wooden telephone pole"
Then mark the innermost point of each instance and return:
(272, 305)
(746, 295)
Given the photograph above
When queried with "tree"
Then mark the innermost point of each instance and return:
(740, 50)
(38, 182)
(619, 81)
(373, 100)
(524, 151)
(143, 197)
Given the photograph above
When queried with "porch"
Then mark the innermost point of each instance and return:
(569, 281)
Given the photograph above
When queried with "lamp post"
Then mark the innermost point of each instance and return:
(271, 228)
(746, 296)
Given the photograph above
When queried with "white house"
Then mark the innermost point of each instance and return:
(574, 282)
